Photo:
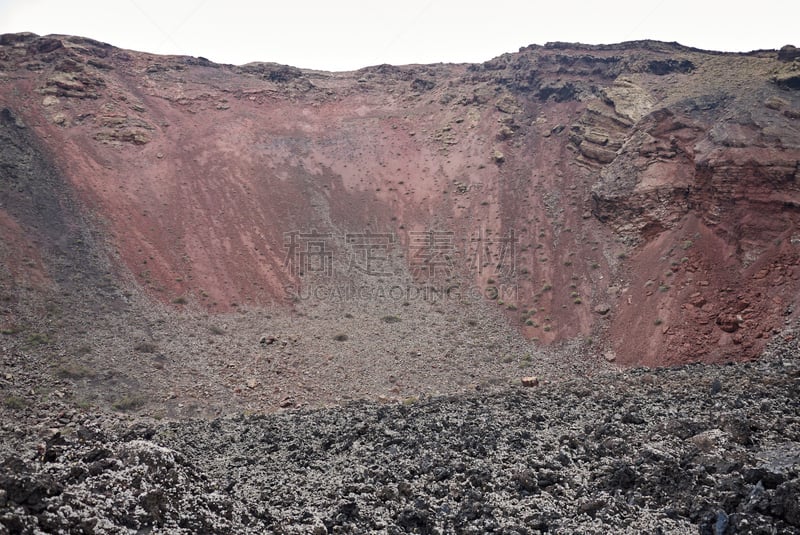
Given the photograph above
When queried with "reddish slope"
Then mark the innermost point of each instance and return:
(604, 162)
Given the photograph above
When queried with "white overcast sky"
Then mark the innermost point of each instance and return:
(349, 34)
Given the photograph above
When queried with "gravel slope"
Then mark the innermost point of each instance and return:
(708, 449)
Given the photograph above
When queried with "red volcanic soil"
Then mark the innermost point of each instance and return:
(651, 189)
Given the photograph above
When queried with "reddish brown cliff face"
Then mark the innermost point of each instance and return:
(643, 193)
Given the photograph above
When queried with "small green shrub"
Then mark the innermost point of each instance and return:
(11, 330)
(83, 404)
(128, 403)
(73, 371)
(14, 403)
(38, 339)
